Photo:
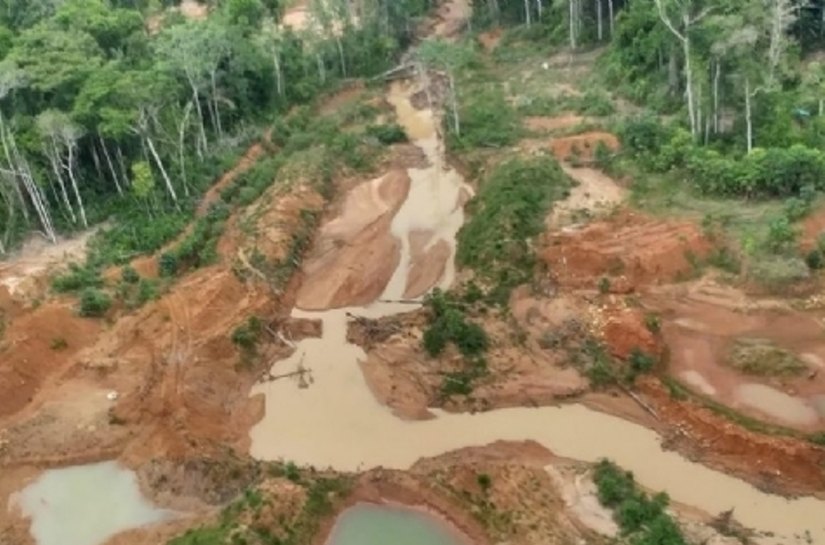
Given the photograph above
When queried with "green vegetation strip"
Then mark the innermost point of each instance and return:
(641, 517)
(507, 213)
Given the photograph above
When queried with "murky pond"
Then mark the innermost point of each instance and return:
(337, 422)
(786, 408)
(369, 524)
(85, 505)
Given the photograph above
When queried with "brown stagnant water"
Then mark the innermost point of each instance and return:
(336, 422)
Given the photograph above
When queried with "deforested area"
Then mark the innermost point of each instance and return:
(358, 272)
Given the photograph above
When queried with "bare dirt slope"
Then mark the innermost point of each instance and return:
(355, 254)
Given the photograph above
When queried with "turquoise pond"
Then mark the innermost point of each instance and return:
(368, 524)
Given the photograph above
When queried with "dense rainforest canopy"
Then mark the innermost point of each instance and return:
(125, 108)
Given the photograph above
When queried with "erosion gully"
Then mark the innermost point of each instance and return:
(336, 422)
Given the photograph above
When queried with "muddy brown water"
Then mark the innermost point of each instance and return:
(336, 422)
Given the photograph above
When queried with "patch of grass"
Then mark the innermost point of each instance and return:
(59, 343)
(509, 210)
(762, 357)
(642, 517)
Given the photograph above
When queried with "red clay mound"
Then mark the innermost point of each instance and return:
(582, 146)
(625, 330)
(629, 250)
(37, 345)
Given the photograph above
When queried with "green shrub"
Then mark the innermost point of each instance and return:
(59, 343)
(167, 264)
(645, 135)
(639, 363)
(781, 234)
(94, 302)
(507, 212)
(247, 335)
(602, 156)
(814, 259)
(644, 519)
(129, 275)
(484, 482)
(389, 133)
(147, 290)
(604, 285)
(487, 120)
(595, 103)
(653, 323)
(78, 277)
(448, 324)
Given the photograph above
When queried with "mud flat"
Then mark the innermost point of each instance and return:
(334, 421)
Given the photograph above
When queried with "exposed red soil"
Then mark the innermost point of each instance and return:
(701, 321)
(792, 466)
(490, 39)
(179, 383)
(539, 123)
(625, 331)
(582, 146)
(31, 351)
(629, 249)
(812, 227)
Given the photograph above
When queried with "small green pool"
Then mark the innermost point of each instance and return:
(368, 524)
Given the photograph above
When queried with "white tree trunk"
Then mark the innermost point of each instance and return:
(717, 72)
(610, 15)
(57, 168)
(182, 146)
(110, 165)
(600, 28)
(322, 75)
(341, 57)
(279, 82)
(11, 165)
(539, 10)
(33, 191)
(689, 86)
(73, 179)
(204, 144)
(748, 119)
(572, 17)
(527, 20)
(454, 104)
(169, 187)
(218, 126)
(122, 164)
